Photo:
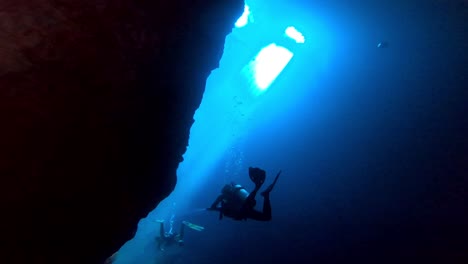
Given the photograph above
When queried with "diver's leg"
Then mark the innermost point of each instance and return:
(181, 232)
(266, 207)
(258, 176)
(179, 238)
(160, 242)
(250, 200)
(252, 194)
(161, 230)
(265, 215)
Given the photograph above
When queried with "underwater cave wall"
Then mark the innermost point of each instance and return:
(96, 103)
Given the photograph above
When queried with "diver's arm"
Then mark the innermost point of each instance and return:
(214, 206)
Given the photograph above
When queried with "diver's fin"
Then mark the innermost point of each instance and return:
(276, 178)
(270, 188)
(197, 228)
(193, 226)
(257, 175)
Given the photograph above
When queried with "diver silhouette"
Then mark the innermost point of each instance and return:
(235, 202)
(171, 238)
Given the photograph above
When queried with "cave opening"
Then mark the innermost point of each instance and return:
(256, 53)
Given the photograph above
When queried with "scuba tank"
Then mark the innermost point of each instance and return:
(234, 199)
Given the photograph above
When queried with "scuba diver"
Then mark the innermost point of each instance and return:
(239, 204)
(170, 238)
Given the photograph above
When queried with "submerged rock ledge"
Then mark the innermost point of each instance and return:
(96, 103)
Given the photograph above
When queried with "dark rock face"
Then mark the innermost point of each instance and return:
(96, 103)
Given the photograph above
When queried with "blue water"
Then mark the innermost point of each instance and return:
(357, 129)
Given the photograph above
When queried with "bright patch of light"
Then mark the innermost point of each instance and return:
(244, 19)
(294, 34)
(269, 63)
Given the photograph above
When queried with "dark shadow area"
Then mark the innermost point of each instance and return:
(96, 102)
